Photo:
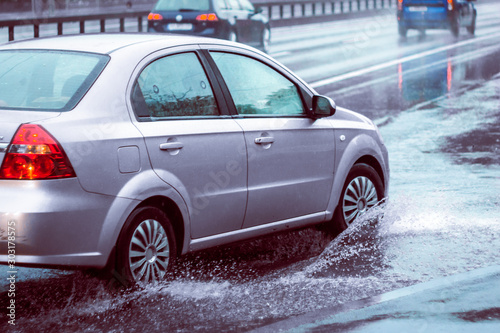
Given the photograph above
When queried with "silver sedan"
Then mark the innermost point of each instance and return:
(124, 151)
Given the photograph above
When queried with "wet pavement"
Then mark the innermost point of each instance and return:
(439, 116)
(467, 302)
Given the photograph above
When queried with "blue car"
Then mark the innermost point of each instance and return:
(436, 14)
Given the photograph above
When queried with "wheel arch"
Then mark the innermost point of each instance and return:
(361, 149)
(147, 189)
(374, 163)
(170, 208)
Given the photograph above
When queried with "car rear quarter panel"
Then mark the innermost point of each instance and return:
(94, 133)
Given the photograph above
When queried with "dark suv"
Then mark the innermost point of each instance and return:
(235, 20)
(436, 14)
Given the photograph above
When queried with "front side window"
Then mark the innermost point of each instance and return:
(234, 4)
(256, 88)
(174, 86)
(46, 80)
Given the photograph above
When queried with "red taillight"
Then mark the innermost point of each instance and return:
(34, 154)
(154, 17)
(207, 17)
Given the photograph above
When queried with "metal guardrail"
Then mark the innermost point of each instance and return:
(281, 13)
(81, 19)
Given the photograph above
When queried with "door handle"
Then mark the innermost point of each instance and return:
(264, 140)
(171, 145)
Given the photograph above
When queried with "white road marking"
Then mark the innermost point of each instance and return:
(374, 68)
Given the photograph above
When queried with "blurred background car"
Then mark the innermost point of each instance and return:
(234, 20)
(436, 14)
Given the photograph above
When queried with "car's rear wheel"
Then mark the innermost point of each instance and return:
(146, 248)
(455, 26)
(362, 190)
(402, 30)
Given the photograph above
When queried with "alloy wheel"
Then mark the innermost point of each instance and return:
(149, 252)
(359, 196)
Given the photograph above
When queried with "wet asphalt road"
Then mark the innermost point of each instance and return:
(437, 102)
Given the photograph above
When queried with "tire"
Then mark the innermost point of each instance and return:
(232, 37)
(265, 41)
(146, 248)
(402, 31)
(455, 26)
(362, 190)
(472, 28)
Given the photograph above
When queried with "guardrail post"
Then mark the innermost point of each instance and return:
(292, 9)
(139, 23)
(359, 5)
(36, 30)
(82, 27)
(11, 33)
(323, 8)
(341, 6)
(102, 23)
(303, 10)
(350, 5)
(374, 4)
(59, 28)
(122, 24)
(281, 12)
(367, 4)
(333, 7)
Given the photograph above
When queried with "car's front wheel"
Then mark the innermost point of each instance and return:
(362, 190)
(472, 28)
(265, 40)
(146, 248)
(232, 37)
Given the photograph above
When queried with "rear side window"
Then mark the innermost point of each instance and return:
(222, 4)
(174, 86)
(46, 80)
(183, 5)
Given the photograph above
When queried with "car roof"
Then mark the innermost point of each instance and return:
(107, 43)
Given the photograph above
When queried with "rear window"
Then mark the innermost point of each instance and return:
(183, 5)
(46, 80)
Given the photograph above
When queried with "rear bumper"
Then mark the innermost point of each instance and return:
(217, 31)
(433, 18)
(57, 223)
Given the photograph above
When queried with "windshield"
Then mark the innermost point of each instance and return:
(46, 80)
(187, 5)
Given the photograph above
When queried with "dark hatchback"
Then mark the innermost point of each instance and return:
(436, 14)
(235, 20)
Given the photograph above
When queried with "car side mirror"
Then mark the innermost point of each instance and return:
(258, 10)
(323, 106)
